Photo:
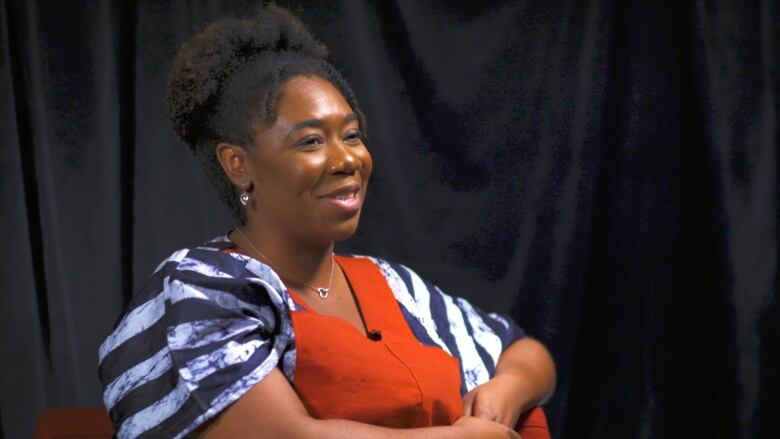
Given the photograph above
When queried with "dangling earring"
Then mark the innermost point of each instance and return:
(244, 198)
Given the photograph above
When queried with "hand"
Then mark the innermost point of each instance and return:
(482, 428)
(502, 400)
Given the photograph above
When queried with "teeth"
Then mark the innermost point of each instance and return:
(346, 196)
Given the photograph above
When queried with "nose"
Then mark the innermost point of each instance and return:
(343, 159)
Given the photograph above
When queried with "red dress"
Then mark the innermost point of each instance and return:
(211, 323)
(385, 377)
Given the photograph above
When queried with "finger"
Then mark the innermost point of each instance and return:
(468, 404)
(482, 409)
(513, 434)
(509, 419)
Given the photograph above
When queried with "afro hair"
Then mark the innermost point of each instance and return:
(226, 79)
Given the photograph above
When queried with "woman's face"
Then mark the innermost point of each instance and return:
(310, 168)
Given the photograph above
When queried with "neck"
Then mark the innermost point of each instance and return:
(294, 261)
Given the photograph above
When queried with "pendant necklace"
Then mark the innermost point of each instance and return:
(322, 292)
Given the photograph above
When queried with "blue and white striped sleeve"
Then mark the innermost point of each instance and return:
(477, 338)
(200, 333)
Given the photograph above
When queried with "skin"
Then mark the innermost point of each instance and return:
(524, 378)
(313, 148)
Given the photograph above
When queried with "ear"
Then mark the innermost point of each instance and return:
(235, 163)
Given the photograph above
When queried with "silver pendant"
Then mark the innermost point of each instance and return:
(323, 292)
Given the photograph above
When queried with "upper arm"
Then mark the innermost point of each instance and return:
(271, 408)
(199, 340)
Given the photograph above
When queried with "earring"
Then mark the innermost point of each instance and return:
(244, 198)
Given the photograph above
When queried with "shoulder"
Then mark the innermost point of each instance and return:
(205, 326)
(405, 283)
(422, 303)
(214, 259)
(416, 294)
(202, 272)
(193, 285)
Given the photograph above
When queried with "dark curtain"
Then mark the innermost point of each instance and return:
(605, 171)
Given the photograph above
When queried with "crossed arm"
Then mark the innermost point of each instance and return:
(525, 377)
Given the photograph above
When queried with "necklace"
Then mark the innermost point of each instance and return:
(322, 292)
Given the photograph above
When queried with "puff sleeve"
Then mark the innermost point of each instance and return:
(477, 338)
(204, 329)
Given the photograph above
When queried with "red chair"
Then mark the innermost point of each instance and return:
(533, 425)
(82, 423)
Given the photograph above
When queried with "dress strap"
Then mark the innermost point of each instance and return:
(376, 300)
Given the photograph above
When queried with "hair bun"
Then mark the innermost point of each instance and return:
(287, 34)
(268, 29)
(204, 62)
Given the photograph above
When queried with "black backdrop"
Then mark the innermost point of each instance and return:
(606, 171)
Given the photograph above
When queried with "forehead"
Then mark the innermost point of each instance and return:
(310, 97)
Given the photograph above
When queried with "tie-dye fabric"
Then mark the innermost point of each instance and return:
(210, 324)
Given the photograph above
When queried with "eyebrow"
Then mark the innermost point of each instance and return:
(317, 122)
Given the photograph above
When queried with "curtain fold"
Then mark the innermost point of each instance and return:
(605, 171)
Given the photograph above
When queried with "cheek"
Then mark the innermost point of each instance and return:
(368, 162)
(305, 172)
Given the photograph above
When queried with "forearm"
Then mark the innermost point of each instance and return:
(338, 429)
(272, 409)
(298, 426)
(528, 364)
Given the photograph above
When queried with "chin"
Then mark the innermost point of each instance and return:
(345, 233)
(343, 230)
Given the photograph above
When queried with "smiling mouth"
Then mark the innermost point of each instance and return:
(348, 201)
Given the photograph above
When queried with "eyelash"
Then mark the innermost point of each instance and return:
(354, 136)
(308, 141)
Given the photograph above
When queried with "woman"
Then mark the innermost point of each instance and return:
(265, 331)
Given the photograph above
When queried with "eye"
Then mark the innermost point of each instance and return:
(310, 142)
(354, 137)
